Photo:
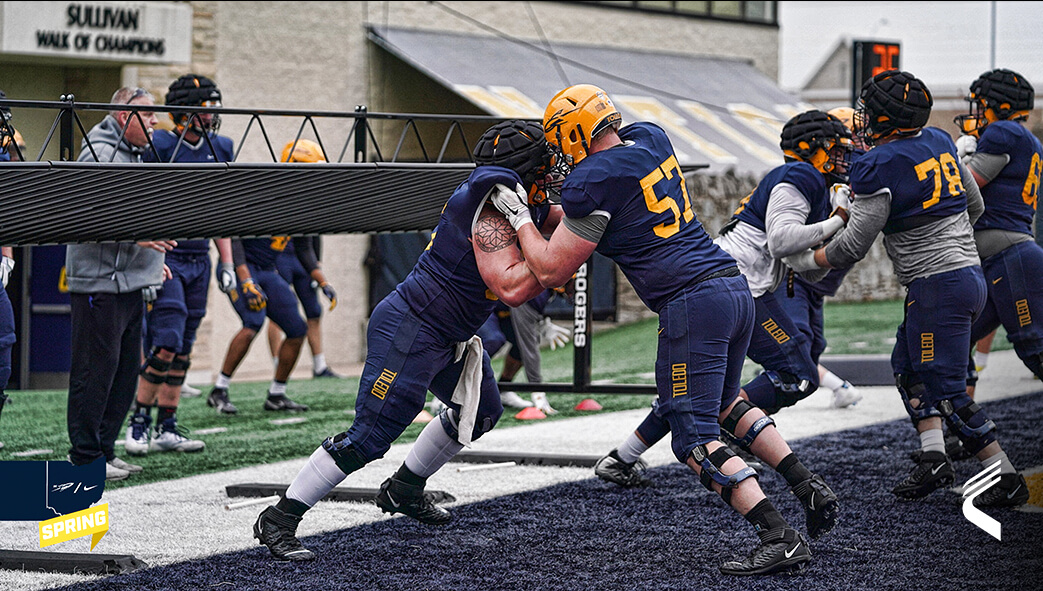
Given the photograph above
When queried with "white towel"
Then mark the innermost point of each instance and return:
(468, 392)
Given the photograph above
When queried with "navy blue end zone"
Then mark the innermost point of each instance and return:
(593, 535)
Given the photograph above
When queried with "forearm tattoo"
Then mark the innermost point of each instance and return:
(493, 232)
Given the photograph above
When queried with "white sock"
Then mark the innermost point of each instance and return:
(831, 380)
(223, 381)
(981, 359)
(318, 363)
(277, 388)
(1005, 466)
(932, 440)
(433, 448)
(316, 479)
(631, 449)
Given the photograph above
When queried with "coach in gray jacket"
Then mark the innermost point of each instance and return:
(106, 284)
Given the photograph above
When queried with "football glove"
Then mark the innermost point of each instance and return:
(840, 199)
(966, 145)
(226, 281)
(554, 335)
(254, 296)
(539, 400)
(6, 267)
(331, 295)
(513, 203)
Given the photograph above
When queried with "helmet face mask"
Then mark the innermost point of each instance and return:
(574, 117)
(193, 90)
(892, 103)
(520, 146)
(820, 139)
(996, 95)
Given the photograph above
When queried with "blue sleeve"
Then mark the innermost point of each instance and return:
(864, 177)
(997, 139)
(808, 180)
(484, 178)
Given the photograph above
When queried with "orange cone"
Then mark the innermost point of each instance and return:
(530, 413)
(588, 404)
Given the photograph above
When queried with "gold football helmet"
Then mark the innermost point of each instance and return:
(574, 117)
(304, 151)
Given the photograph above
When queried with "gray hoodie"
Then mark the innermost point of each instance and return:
(115, 267)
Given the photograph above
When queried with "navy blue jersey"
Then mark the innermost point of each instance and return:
(445, 288)
(922, 174)
(653, 234)
(165, 142)
(805, 177)
(1011, 197)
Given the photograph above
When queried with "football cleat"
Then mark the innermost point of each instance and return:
(169, 438)
(782, 550)
(512, 400)
(612, 469)
(132, 468)
(219, 399)
(846, 395)
(933, 471)
(326, 373)
(138, 431)
(190, 392)
(278, 531)
(1010, 491)
(113, 472)
(821, 508)
(283, 403)
(396, 496)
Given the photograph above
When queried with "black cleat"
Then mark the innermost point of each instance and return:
(219, 399)
(821, 508)
(612, 469)
(283, 403)
(782, 551)
(396, 496)
(278, 531)
(933, 471)
(1010, 491)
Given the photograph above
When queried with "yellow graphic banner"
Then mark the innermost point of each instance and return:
(89, 522)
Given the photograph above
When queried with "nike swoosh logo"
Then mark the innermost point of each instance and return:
(935, 471)
(812, 503)
(1014, 492)
(997, 280)
(789, 553)
(87, 488)
(394, 503)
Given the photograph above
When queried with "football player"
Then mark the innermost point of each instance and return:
(421, 337)
(305, 284)
(788, 212)
(912, 187)
(174, 317)
(624, 196)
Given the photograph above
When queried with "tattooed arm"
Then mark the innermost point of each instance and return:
(500, 262)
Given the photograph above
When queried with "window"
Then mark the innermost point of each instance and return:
(748, 11)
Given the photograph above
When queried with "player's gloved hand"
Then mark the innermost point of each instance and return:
(513, 203)
(331, 295)
(802, 261)
(226, 281)
(6, 267)
(840, 199)
(966, 145)
(554, 335)
(539, 400)
(254, 296)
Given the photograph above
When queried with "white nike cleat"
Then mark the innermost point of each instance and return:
(846, 395)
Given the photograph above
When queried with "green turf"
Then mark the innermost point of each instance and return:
(624, 354)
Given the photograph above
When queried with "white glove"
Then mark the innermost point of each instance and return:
(6, 267)
(553, 335)
(539, 400)
(226, 281)
(840, 199)
(802, 261)
(966, 145)
(513, 203)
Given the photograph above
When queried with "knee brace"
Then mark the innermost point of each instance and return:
(348, 458)
(161, 368)
(1035, 363)
(711, 470)
(731, 424)
(911, 388)
(789, 389)
(451, 423)
(180, 364)
(969, 422)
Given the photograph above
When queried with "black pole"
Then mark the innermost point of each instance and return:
(361, 129)
(65, 139)
(581, 325)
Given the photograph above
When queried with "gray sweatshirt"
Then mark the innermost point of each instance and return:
(116, 267)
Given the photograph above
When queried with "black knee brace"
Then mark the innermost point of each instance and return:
(710, 473)
(180, 364)
(911, 388)
(161, 367)
(731, 423)
(348, 458)
(969, 422)
(789, 389)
